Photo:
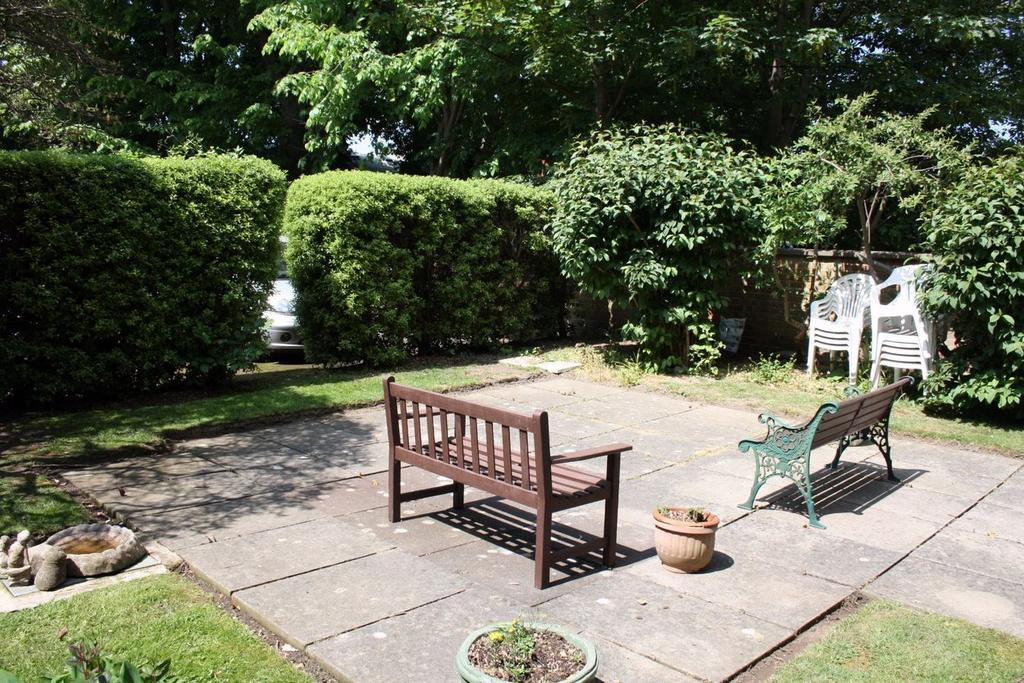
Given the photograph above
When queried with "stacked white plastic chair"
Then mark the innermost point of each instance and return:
(839, 318)
(900, 336)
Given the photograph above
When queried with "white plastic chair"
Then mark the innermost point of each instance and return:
(900, 337)
(839, 318)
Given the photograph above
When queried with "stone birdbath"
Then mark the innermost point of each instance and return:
(93, 549)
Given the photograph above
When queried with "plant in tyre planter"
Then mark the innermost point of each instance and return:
(684, 537)
(519, 652)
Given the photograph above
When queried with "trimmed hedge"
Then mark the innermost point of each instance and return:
(122, 274)
(386, 265)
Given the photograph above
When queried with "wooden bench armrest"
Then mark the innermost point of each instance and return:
(588, 453)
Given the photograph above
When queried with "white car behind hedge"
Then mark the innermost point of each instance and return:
(279, 319)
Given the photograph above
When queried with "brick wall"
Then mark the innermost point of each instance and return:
(776, 319)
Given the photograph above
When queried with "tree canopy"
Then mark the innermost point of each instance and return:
(489, 87)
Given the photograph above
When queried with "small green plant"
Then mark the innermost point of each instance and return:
(772, 369)
(514, 646)
(694, 515)
(88, 665)
(631, 371)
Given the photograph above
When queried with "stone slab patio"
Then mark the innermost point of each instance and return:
(290, 522)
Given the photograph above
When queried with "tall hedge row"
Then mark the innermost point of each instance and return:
(123, 274)
(386, 266)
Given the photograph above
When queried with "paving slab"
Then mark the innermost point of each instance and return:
(618, 664)
(566, 428)
(707, 426)
(632, 464)
(580, 389)
(980, 553)
(185, 527)
(993, 521)
(978, 598)
(507, 570)
(688, 634)
(417, 534)
(311, 607)
(666, 486)
(419, 645)
(671, 449)
(259, 558)
(183, 491)
(319, 437)
(751, 584)
(783, 536)
(908, 501)
(640, 408)
(953, 459)
(526, 398)
(170, 464)
(1010, 493)
(557, 367)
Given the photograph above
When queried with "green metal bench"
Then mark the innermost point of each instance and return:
(786, 450)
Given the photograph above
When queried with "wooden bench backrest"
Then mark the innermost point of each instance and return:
(857, 413)
(483, 442)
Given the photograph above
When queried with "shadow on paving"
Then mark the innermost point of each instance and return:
(853, 488)
(513, 529)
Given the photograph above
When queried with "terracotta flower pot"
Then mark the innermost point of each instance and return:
(683, 546)
(470, 674)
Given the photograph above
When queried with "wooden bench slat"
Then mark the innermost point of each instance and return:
(489, 435)
(404, 425)
(416, 425)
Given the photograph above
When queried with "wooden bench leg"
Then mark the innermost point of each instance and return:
(459, 496)
(394, 490)
(611, 510)
(542, 551)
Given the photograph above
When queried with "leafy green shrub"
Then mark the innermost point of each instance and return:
(660, 219)
(386, 265)
(124, 274)
(772, 369)
(976, 237)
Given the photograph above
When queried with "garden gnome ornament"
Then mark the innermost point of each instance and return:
(18, 569)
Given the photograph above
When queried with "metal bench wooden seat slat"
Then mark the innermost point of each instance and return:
(519, 466)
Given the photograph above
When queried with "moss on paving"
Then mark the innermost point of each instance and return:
(30, 501)
(143, 621)
(883, 641)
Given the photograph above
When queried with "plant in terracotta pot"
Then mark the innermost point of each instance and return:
(521, 652)
(684, 537)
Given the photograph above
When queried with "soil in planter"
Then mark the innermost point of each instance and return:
(682, 516)
(553, 658)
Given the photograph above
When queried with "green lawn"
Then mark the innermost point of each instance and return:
(884, 641)
(793, 394)
(274, 391)
(29, 501)
(144, 621)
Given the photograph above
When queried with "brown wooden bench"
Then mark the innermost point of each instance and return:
(786, 450)
(502, 452)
